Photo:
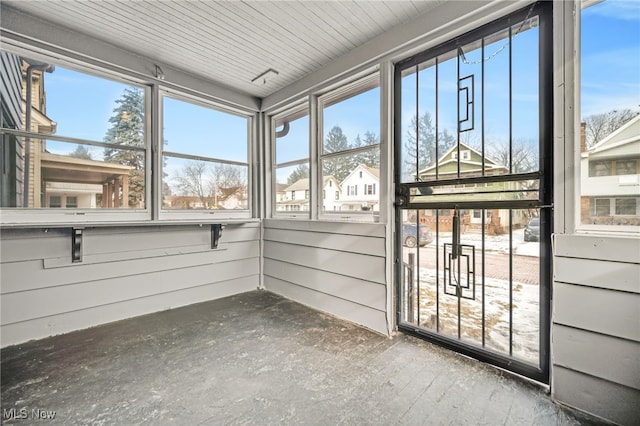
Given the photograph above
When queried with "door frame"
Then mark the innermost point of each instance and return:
(545, 202)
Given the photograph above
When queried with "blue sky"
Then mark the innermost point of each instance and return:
(82, 105)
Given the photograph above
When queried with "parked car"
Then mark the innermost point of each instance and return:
(410, 236)
(532, 231)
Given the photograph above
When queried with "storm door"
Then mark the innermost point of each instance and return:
(473, 192)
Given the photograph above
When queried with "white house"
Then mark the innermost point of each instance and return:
(610, 178)
(361, 189)
(295, 197)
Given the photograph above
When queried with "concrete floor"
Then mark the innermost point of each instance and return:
(257, 358)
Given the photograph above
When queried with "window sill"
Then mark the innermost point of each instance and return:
(125, 223)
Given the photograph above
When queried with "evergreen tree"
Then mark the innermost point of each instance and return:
(341, 166)
(301, 172)
(420, 146)
(369, 158)
(127, 129)
(81, 152)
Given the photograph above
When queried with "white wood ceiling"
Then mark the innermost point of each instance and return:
(231, 42)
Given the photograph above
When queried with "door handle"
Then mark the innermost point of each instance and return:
(455, 237)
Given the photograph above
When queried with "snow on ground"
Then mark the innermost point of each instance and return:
(525, 304)
(497, 243)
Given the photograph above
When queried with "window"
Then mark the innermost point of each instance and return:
(290, 132)
(602, 207)
(599, 168)
(370, 189)
(82, 138)
(71, 202)
(205, 159)
(626, 167)
(350, 147)
(626, 206)
(55, 201)
(610, 116)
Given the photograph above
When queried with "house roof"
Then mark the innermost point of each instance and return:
(298, 185)
(371, 170)
(281, 187)
(620, 141)
(62, 168)
(302, 184)
(489, 164)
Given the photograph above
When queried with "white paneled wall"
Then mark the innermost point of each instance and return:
(338, 268)
(125, 272)
(596, 326)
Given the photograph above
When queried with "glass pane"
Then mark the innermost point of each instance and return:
(202, 131)
(409, 130)
(351, 183)
(610, 128)
(444, 165)
(80, 105)
(497, 107)
(79, 176)
(353, 122)
(292, 138)
(71, 104)
(493, 191)
(292, 188)
(525, 103)
(204, 185)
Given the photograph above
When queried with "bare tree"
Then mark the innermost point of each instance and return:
(523, 155)
(191, 181)
(599, 126)
(211, 183)
(226, 181)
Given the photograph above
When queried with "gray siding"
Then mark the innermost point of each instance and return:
(11, 88)
(125, 272)
(596, 326)
(338, 268)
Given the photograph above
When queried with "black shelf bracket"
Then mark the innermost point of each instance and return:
(216, 233)
(76, 245)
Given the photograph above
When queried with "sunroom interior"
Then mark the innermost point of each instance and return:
(203, 157)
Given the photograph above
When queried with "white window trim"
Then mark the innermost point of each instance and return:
(195, 214)
(345, 91)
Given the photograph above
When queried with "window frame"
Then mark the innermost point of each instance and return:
(295, 111)
(573, 34)
(345, 91)
(19, 216)
(201, 214)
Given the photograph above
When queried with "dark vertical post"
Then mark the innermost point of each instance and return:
(410, 287)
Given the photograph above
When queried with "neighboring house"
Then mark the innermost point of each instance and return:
(610, 178)
(360, 190)
(471, 165)
(62, 181)
(330, 194)
(235, 198)
(281, 189)
(295, 197)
